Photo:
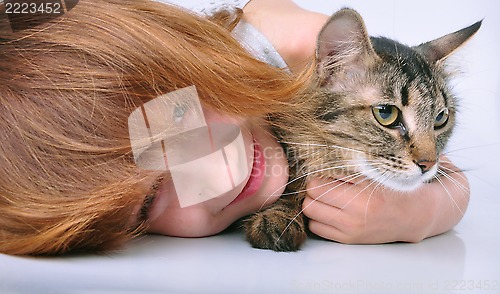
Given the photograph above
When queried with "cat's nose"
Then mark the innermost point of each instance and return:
(425, 166)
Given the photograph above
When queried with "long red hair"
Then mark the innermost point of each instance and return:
(67, 177)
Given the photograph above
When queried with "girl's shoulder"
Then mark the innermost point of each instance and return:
(204, 7)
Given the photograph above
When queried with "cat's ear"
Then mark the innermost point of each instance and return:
(442, 47)
(344, 41)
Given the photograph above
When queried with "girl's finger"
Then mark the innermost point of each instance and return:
(326, 231)
(320, 211)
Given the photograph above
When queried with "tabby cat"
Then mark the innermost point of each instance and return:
(381, 110)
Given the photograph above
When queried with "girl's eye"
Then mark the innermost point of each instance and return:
(387, 115)
(441, 119)
(179, 111)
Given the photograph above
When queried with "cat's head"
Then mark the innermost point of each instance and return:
(386, 104)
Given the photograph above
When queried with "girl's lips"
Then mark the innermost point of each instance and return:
(257, 175)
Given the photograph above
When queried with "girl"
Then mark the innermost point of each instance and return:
(69, 179)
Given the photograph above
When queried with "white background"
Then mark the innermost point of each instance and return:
(464, 260)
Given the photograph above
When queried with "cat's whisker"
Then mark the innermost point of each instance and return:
(314, 200)
(322, 145)
(343, 179)
(300, 178)
(320, 160)
(379, 183)
(342, 167)
(459, 171)
(447, 171)
(357, 175)
(356, 196)
(459, 185)
(348, 178)
(306, 175)
(471, 147)
(354, 177)
(384, 177)
(449, 194)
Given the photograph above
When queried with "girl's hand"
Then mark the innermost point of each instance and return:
(363, 214)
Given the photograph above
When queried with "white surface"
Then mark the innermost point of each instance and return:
(464, 260)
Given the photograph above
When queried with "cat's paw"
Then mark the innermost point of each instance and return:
(274, 229)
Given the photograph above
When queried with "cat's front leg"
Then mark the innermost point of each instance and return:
(281, 227)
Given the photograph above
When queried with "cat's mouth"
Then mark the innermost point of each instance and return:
(401, 180)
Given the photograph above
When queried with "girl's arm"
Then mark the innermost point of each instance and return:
(359, 213)
(291, 29)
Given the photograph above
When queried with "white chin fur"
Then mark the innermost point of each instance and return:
(400, 182)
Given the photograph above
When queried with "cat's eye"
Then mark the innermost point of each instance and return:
(387, 115)
(441, 119)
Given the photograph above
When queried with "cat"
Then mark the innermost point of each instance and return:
(381, 110)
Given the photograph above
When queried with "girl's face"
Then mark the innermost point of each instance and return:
(264, 178)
